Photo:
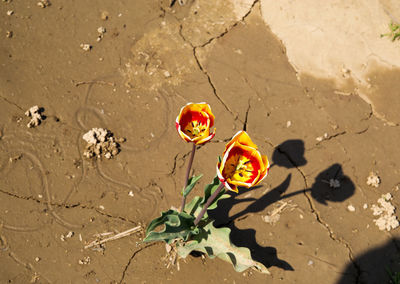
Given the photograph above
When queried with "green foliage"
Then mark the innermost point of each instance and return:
(191, 183)
(215, 242)
(204, 237)
(177, 226)
(194, 207)
(394, 31)
(394, 277)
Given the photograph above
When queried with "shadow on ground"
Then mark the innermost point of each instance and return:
(289, 154)
(377, 266)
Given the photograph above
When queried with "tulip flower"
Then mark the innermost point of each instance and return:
(242, 164)
(194, 122)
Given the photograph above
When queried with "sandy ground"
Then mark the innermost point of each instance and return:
(314, 123)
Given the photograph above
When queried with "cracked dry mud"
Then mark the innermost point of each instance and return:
(152, 60)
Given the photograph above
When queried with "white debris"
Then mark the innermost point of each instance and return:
(101, 207)
(84, 261)
(321, 138)
(271, 219)
(130, 193)
(275, 215)
(288, 123)
(373, 180)
(351, 208)
(334, 183)
(365, 206)
(10, 12)
(101, 30)
(43, 3)
(37, 259)
(36, 117)
(104, 15)
(387, 220)
(101, 142)
(86, 46)
(69, 235)
(167, 74)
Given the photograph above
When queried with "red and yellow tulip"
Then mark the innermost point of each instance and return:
(194, 123)
(242, 164)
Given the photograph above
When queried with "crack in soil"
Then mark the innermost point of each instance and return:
(319, 219)
(11, 103)
(201, 67)
(246, 117)
(228, 29)
(212, 84)
(130, 260)
(68, 206)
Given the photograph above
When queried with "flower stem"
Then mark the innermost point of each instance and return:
(209, 201)
(187, 175)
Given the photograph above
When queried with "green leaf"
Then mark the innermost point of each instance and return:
(220, 196)
(177, 226)
(208, 191)
(191, 183)
(210, 188)
(215, 242)
(193, 207)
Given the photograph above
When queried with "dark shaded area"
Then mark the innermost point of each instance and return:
(289, 154)
(375, 265)
(324, 188)
(247, 238)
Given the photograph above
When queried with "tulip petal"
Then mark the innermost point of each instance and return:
(242, 163)
(243, 138)
(194, 121)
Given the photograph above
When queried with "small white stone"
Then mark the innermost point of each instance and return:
(167, 74)
(319, 139)
(365, 206)
(334, 183)
(351, 208)
(310, 262)
(130, 193)
(373, 180)
(37, 259)
(101, 207)
(10, 12)
(101, 30)
(86, 46)
(40, 196)
(69, 234)
(288, 123)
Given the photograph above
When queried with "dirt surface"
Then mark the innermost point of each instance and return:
(150, 61)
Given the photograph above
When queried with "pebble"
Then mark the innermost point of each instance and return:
(351, 208)
(86, 46)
